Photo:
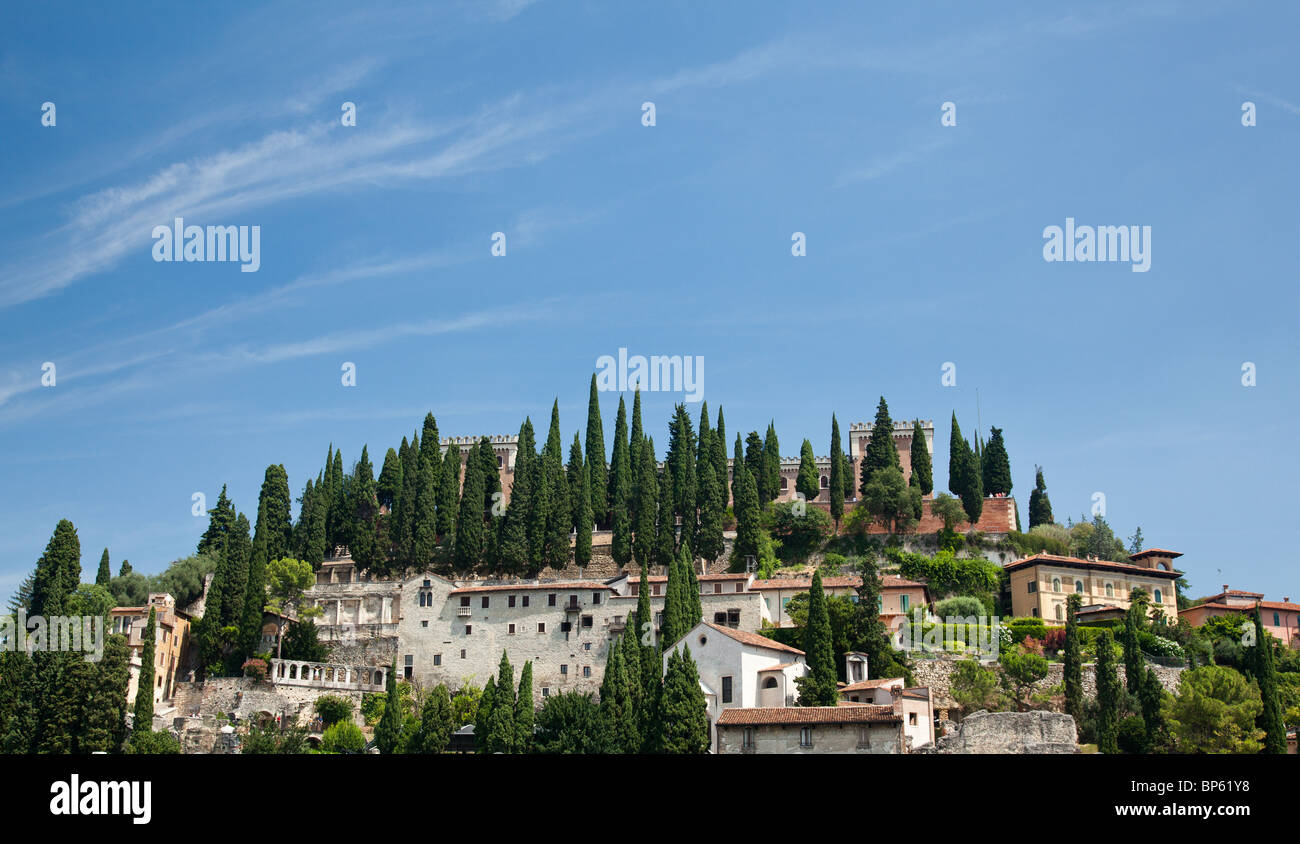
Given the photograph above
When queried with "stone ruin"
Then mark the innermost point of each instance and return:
(1009, 732)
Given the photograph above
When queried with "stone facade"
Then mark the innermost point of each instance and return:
(937, 674)
(813, 729)
(1010, 732)
(248, 698)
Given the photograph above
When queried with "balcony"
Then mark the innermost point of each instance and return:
(573, 606)
(617, 624)
(464, 612)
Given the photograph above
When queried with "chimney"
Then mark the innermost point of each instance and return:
(1225, 587)
(1287, 599)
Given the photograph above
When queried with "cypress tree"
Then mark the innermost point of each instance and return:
(1073, 659)
(748, 526)
(388, 732)
(448, 493)
(881, 452)
(105, 574)
(220, 520)
(404, 513)
(756, 463)
(1040, 506)
(487, 464)
(1266, 676)
(964, 476)
(436, 724)
(144, 686)
(683, 723)
(709, 542)
(124, 569)
(819, 687)
(617, 715)
(515, 557)
(431, 441)
(637, 436)
(501, 730)
(837, 474)
(525, 710)
(424, 540)
(807, 483)
(922, 468)
(484, 716)
(250, 625)
(1108, 695)
(389, 486)
(1151, 699)
(693, 609)
(1133, 663)
(719, 446)
(584, 526)
(573, 478)
(103, 718)
(771, 486)
(996, 466)
(674, 623)
(337, 527)
(598, 486)
(679, 463)
(364, 509)
(237, 555)
(665, 536)
(646, 507)
(630, 653)
(620, 488)
(58, 572)
(468, 547)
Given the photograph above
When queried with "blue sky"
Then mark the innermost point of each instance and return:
(924, 244)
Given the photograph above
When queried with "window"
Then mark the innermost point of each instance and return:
(1160, 600)
(586, 621)
(462, 654)
(785, 484)
(486, 601)
(903, 601)
(586, 646)
(408, 666)
(733, 617)
(546, 691)
(1110, 591)
(564, 670)
(654, 590)
(525, 600)
(1078, 586)
(740, 587)
(550, 600)
(1277, 620)
(424, 623)
(437, 659)
(719, 618)
(1056, 584)
(1034, 612)
(595, 597)
(805, 737)
(541, 627)
(659, 620)
(726, 690)
(1060, 612)
(911, 719)
(469, 628)
(785, 602)
(586, 671)
(825, 482)
(717, 589)
(770, 683)
(510, 601)
(1033, 586)
(512, 630)
(864, 736)
(748, 741)
(464, 600)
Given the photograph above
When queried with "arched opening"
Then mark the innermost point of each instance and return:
(770, 683)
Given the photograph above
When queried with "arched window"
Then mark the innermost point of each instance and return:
(825, 482)
(1056, 585)
(1078, 586)
(785, 483)
(1110, 591)
(769, 683)
(1159, 600)
(1162, 566)
(1060, 612)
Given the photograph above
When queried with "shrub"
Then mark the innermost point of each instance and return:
(1054, 640)
(158, 742)
(255, 668)
(1022, 627)
(961, 606)
(332, 709)
(343, 737)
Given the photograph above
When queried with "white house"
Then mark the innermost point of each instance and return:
(740, 669)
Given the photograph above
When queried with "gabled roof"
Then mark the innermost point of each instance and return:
(752, 639)
(798, 715)
(1155, 552)
(543, 587)
(1103, 565)
(871, 684)
(887, 581)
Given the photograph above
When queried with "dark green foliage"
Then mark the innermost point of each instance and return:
(583, 519)
(424, 540)
(483, 715)
(872, 636)
(448, 493)
(665, 536)
(567, 723)
(679, 464)
(1073, 659)
(890, 501)
(818, 687)
(302, 641)
(837, 478)
(808, 482)
(1040, 506)
(220, 521)
(333, 709)
(618, 725)
(343, 737)
(1151, 699)
(144, 689)
(468, 547)
(1266, 676)
(362, 511)
(881, 452)
(58, 571)
(183, 578)
(389, 730)
(515, 550)
(746, 508)
(598, 487)
(709, 542)
(922, 467)
(501, 734)
(436, 724)
(620, 490)
(389, 486)
(160, 743)
(1108, 695)
(754, 462)
(105, 573)
(646, 506)
(1134, 668)
(771, 486)
(965, 479)
(525, 709)
(683, 725)
(996, 465)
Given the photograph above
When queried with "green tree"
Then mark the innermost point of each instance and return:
(881, 452)
(683, 725)
(1214, 711)
(143, 722)
(468, 547)
(996, 465)
(436, 721)
(1266, 677)
(424, 537)
(567, 723)
(1151, 700)
(105, 573)
(598, 486)
(501, 727)
(808, 483)
(837, 478)
(746, 507)
(890, 501)
(583, 519)
(1073, 659)
(389, 486)
(220, 521)
(1040, 506)
(1021, 670)
(286, 580)
(484, 713)
(332, 709)
(964, 476)
(771, 486)
(1108, 694)
(922, 467)
(58, 571)
(709, 541)
(343, 737)
(872, 637)
(449, 494)
(617, 712)
(646, 506)
(620, 491)
(389, 731)
(515, 549)
(975, 687)
(818, 688)
(1134, 666)
(525, 709)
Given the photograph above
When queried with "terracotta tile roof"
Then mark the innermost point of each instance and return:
(780, 667)
(701, 578)
(1155, 552)
(799, 715)
(1279, 605)
(751, 639)
(519, 587)
(1244, 608)
(1075, 562)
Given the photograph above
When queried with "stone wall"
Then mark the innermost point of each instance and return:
(937, 674)
(246, 697)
